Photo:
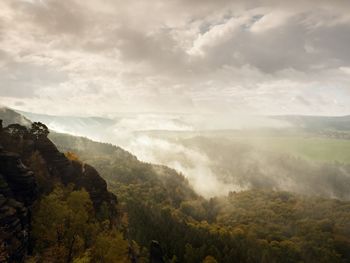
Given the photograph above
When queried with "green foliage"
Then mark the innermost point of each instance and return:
(16, 130)
(85, 258)
(190, 255)
(39, 130)
(209, 259)
(65, 230)
(37, 164)
(61, 225)
(250, 226)
(110, 248)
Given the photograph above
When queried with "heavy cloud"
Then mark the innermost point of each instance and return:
(175, 56)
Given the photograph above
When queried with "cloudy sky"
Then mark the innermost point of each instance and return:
(97, 57)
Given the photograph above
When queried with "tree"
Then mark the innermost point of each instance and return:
(174, 259)
(66, 229)
(209, 259)
(110, 248)
(16, 130)
(37, 164)
(190, 256)
(72, 156)
(39, 130)
(61, 225)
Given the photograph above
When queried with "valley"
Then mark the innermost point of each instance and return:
(265, 202)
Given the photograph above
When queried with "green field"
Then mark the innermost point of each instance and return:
(312, 148)
(305, 145)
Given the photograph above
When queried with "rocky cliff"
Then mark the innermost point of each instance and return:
(19, 185)
(71, 171)
(18, 191)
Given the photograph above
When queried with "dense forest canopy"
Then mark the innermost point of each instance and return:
(160, 214)
(258, 225)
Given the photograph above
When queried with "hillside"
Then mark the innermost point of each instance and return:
(249, 226)
(158, 203)
(317, 123)
(52, 207)
(9, 116)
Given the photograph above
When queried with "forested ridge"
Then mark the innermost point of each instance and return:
(158, 216)
(54, 208)
(248, 226)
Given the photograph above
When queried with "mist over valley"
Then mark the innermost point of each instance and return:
(305, 155)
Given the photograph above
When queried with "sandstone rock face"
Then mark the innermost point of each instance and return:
(19, 178)
(18, 190)
(81, 175)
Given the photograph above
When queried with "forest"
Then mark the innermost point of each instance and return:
(160, 217)
(256, 225)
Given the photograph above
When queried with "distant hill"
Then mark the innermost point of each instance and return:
(158, 203)
(10, 116)
(87, 126)
(317, 123)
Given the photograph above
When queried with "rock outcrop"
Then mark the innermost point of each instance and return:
(19, 190)
(80, 174)
(156, 253)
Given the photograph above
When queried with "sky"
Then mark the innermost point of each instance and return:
(100, 57)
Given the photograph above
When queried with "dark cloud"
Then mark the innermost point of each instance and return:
(56, 17)
(185, 49)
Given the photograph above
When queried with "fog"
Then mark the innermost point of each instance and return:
(195, 165)
(136, 133)
(217, 154)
